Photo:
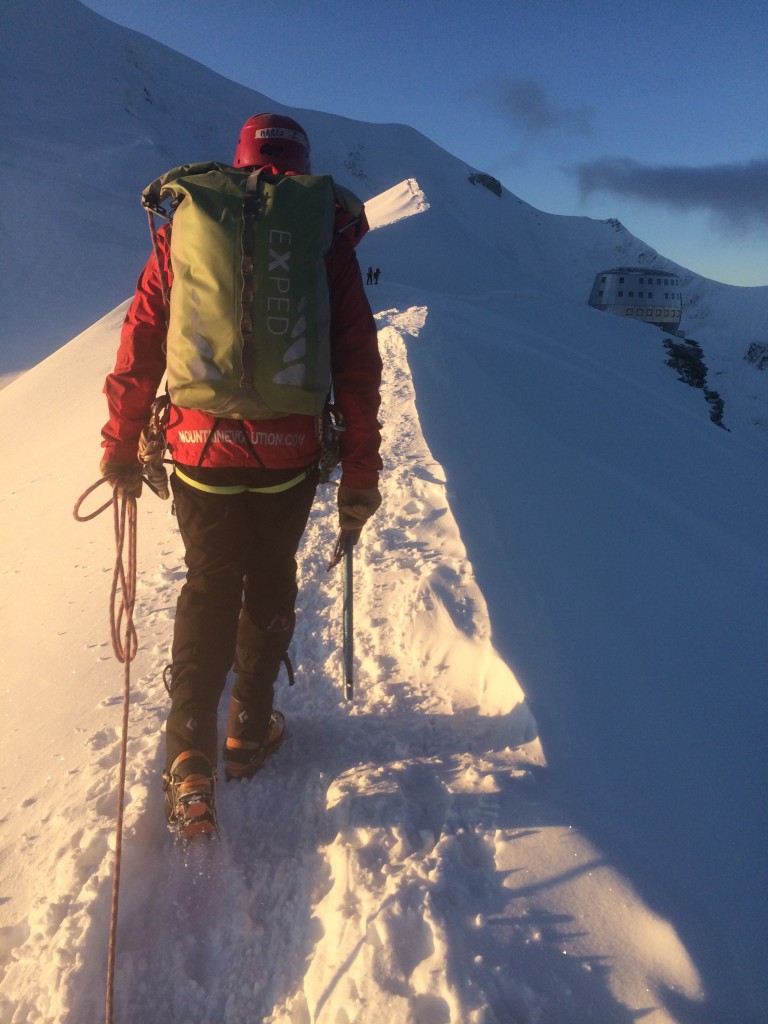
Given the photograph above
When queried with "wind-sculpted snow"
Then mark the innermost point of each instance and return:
(397, 203)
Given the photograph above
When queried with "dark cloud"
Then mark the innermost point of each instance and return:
(526, 106)
(737, 194)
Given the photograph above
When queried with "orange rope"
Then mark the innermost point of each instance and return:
(125, 645)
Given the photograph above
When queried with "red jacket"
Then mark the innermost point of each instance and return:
(281, 444)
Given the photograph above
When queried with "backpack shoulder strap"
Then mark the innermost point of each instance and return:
(350, 214)
(160, 188)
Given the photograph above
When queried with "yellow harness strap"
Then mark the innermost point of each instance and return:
(241, 488)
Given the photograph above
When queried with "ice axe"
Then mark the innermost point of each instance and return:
(343, 551)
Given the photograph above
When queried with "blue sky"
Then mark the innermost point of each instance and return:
(655, 113)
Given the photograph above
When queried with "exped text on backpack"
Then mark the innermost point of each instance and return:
(249, 312)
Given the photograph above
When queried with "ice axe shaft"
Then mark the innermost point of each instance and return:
(343, 552)
(349, 616)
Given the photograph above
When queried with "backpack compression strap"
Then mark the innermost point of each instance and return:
(250, 212)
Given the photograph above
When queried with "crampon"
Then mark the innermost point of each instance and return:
(190, 796)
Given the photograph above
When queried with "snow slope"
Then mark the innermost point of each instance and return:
(546, 803)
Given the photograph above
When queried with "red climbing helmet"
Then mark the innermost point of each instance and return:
(272, 139)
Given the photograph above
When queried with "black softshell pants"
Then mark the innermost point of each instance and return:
(237, 606)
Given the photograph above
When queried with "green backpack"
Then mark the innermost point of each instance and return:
(249, 310)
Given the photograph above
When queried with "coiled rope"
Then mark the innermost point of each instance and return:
(124, 644)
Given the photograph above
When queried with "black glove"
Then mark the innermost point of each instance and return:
(356, 506)
(125, 477)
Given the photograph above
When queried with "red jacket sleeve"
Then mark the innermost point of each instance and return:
(132, 386)
(355, 368)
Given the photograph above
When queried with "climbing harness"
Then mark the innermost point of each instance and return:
(330, 428)
(152, 447)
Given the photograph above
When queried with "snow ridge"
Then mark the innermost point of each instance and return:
(192, 926)
(399, 858)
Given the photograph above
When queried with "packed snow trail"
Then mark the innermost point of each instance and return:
(399, 859)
